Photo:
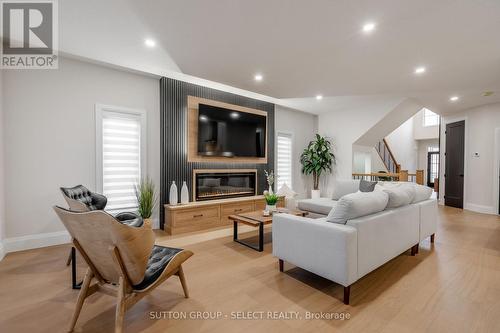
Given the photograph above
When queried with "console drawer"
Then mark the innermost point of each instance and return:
(195, 216)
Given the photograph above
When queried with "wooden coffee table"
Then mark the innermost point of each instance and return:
(257, 219)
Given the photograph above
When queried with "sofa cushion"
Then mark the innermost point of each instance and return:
(400, 194)
(366, 186)
(321, 206)
(343, 187)
(422, 193)
(358, 204)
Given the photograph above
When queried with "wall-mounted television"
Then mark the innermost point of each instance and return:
(230, 133)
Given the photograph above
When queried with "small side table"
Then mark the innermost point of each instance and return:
(257, 219)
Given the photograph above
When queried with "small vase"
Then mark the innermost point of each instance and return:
(270, 190)
(172, 198)
(184, 193)
(148, 222)
(270, 208)
(315, 194)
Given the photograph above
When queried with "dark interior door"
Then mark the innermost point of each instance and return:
(454, 174)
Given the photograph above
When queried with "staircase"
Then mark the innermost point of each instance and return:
(387, 157)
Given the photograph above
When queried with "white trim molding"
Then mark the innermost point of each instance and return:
(479, 208)
(36, 241)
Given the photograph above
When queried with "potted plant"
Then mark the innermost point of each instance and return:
(146, 199)
(271, 200)
(316, 159)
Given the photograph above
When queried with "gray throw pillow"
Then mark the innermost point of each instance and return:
(366, 186)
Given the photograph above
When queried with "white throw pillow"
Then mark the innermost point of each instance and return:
(400, 194)
(358, 204)
(422, 193)
(343, 187)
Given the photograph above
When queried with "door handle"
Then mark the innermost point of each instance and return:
(461, 175)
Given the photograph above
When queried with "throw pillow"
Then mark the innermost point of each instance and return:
(366, 186)
(358, 204)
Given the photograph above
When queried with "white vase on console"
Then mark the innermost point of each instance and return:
(184, 193)
(172, 198)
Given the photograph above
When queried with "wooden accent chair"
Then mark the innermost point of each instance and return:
(81, 199)
(122, 259)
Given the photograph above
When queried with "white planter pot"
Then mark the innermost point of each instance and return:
(271, 208)
(315, 194)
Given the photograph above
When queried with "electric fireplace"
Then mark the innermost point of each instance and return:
(220, 184)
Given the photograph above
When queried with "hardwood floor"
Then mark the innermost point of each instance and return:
(452, 285)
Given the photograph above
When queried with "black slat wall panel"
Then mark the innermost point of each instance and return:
(173, 146)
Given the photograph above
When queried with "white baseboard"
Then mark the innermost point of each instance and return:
(480, 208)
(2, 250)
(36, 241)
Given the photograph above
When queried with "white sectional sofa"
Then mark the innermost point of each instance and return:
(344, 253)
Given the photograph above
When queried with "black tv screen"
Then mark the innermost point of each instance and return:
(230, 133)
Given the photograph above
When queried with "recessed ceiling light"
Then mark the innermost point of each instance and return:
(454, 98)
(369, 27)
(420, 70)
(150, 42)
(319, 97)
(235, 115)
(258, 77)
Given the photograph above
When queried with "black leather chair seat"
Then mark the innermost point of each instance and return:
(130, 219)
(158, 260)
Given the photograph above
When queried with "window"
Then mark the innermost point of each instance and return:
(431, 149)
(430, 118)
(284, 160)
(120, 155)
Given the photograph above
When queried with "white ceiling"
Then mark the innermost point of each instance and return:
(302, 48)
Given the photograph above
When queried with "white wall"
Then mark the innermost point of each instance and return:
(481, 173)
(344, 128)
(422, 132)
(303, 127)
(50, 137)
(404, 146)
(2, 169)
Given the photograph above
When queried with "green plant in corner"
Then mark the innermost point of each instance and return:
(317, 158)
(146, 197)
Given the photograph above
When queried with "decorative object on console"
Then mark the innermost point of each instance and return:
(270, 180)
(184, 193)
(271, 200)
(172, 198)
(146, 199)
(316, 159)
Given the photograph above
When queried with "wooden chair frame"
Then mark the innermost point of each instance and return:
(126, 295)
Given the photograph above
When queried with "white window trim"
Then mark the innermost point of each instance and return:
(99, 111)
(291, 135)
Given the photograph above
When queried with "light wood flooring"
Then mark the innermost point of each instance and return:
(451, 286)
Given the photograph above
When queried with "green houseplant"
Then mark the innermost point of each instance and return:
(269, 195)
(271, 201)
(146, 199)
(317, 158)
